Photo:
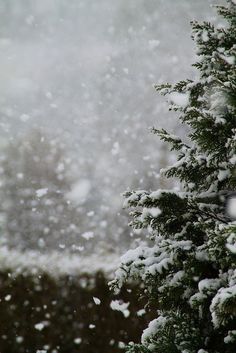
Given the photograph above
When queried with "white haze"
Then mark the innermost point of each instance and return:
(82, 72)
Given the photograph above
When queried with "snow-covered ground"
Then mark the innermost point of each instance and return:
(56, 264)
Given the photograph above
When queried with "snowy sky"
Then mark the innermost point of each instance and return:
(84, 71)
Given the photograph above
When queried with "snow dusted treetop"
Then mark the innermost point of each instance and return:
(189, 272)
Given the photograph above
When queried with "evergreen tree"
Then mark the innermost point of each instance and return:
(188, 273)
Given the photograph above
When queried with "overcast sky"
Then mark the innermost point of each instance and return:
(84, 71)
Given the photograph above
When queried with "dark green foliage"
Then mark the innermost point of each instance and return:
(186, 267)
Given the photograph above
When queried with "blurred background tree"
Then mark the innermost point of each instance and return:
(36, 178)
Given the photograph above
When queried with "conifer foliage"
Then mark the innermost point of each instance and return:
(189, 270)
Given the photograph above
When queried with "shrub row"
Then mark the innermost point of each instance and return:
(59, 315)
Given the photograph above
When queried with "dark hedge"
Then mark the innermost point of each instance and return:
(66, 307)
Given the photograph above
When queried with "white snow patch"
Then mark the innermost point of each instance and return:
(20, 176)
(231, 337)
(231, 243)
(40, 326)
(57, 264)
(120, 306)
(232, 248)
(90, 213)
(121, 345)
(96, 300)
(229, 59)
(115, 149)
(41, 192)
(231, 207)
(19, 339)
(233, 159)
(141, 312)
(87, 235)
(153, 327)
(180, 99)
(223, 174)
(80, 191)
(205, 36)
(218, 303)
(209, 285)
(77, 340)
(217, 106)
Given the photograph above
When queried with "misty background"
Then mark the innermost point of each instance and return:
(76, 104)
